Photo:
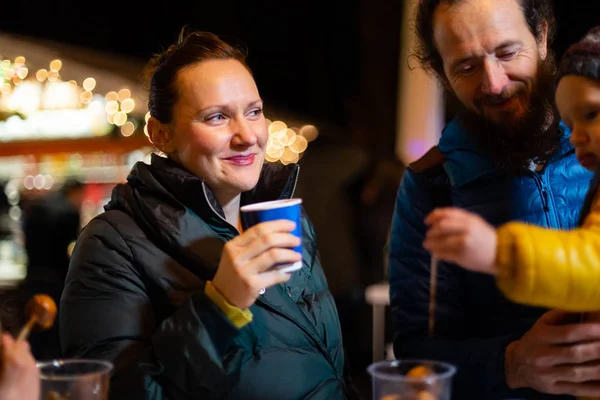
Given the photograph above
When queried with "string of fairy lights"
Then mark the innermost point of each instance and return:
(30, 96)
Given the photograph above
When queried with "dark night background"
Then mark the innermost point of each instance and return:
(333, 62)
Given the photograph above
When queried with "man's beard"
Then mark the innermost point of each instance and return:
(512, 145)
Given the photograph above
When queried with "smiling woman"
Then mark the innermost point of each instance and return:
(173, 282)
(217, 129)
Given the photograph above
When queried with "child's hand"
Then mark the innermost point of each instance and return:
(19, 375)
(463, 238)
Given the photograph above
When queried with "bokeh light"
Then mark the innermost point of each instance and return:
(120, 118)
(22, 72)
(310, 132)
(127, 129)
(123, 94)
(112, 107)
(41, 75)
(287, 144)
(111, 96)
(127, 105)
(53, 76)
(89, 84)
(55, 65)
(86, 97)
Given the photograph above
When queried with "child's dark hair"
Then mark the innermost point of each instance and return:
(583, 58)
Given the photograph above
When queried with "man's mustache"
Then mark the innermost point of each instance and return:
(501, 98)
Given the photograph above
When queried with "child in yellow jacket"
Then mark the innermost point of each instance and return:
(533, 265)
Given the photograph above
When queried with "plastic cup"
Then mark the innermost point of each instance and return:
(253, 214)
(74, 379)
(390, 380)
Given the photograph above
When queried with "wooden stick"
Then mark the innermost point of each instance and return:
(432, 292)
(26, 329)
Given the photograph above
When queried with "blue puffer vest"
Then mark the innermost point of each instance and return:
(474, 322)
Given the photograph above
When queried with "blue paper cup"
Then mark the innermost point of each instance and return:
(253, 214)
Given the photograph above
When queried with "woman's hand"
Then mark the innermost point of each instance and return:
(19, 375)
(463, 238)
(246, 260)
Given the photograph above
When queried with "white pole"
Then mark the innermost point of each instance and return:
(420, 109)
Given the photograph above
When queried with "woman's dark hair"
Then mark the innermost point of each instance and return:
(536, 12)
(190, 49)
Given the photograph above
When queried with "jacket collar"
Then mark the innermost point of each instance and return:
(179, 213)
(464, 161)
(277, 181)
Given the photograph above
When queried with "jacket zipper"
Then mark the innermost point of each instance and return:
(295, 183)
(549, 212)
(215, 211)
(550, 200)
(538, 182)
(545, 199)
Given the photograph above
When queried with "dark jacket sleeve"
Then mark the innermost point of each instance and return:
(106, 313)
(480, 362)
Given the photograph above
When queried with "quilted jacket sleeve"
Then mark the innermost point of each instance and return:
(480, 361)
(551, 268)
(106, 313)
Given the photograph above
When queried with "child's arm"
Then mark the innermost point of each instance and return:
(535, 266)
(551, 268)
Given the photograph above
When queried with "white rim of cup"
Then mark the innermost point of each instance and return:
(108, 366)
(271, 205)
(451, 370)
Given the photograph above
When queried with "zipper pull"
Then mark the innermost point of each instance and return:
(545, 199)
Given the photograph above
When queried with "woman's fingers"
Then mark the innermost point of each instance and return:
(271, 278)
(263, 229)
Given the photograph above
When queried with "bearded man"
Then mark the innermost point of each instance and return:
(505, 156)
